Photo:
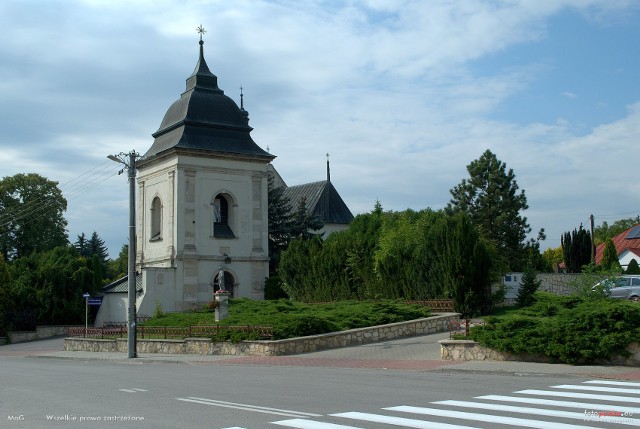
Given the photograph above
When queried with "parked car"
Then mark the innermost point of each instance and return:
(623, 287)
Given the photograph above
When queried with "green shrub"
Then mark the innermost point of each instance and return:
(633, 267)
(158, 311)
(273, 288)
(565, 329)
(294, 318)
(301, 326)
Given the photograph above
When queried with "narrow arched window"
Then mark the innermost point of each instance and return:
(156, 219)
(221, 227)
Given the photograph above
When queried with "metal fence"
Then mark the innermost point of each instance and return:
(119, 330)
(432, 304)
(462, 326)
(435, 304)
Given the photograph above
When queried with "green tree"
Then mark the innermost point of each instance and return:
(280, 223)
(463, 264)
(604, 231)
(98, 248)
(81, 245)
(404, 258)
(609, 256)
(304, 222)
(5, 295)
(491, 199)
(31, 215)
(119, 267)
(296, 269)
(96, 251)
(633, 267)
(528, 287)
(341, 267)
(576, 249)
(48, 287)
(554, 257)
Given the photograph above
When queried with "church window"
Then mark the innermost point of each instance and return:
(156, 219)
(221, 217)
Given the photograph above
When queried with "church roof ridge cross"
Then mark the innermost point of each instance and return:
(201, 31)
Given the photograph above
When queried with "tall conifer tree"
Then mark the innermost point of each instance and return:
(491, 199)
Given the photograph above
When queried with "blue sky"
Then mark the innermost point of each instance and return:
(403, 95)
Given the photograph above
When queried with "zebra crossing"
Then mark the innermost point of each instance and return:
(591, 404)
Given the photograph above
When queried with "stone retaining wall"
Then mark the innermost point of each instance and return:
(40, 333)
(471, 350)
(205, 346)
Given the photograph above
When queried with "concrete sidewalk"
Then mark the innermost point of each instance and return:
(420, 353)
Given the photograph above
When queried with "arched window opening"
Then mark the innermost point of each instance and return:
(221, 227)
(156, 219)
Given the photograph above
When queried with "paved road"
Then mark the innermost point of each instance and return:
(416, 353)
(112, 393)
(399, 383)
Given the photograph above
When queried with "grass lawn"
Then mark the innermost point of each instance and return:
(293, 319)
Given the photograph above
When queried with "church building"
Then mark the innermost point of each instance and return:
(202, 206)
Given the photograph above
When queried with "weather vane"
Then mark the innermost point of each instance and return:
(201, 31)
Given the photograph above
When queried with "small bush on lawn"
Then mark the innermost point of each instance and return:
(564, 329)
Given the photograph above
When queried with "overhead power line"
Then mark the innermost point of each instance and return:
(72, 189)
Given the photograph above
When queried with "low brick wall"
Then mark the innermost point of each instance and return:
(471, 350)
(205, 346)
(40, 333)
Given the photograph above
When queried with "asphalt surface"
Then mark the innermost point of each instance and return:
(420, 353)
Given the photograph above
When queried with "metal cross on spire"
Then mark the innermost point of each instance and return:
(328, 170)
(201, 31)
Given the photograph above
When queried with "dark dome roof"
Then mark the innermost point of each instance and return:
(205, 119)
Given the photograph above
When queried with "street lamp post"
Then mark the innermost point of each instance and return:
(130, 164)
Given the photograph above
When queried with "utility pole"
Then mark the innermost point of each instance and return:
(130, 164)
(593, 243)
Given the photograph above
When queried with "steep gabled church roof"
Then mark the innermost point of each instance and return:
(204, 119)
(322, 200)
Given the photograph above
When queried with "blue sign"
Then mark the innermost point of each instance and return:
(95, 301)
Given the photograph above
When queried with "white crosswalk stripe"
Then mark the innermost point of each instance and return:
(577, 395)
(487, 418)
(311, 424)
(598, 389)
(614, 383)
(539, 409)
(553, 403)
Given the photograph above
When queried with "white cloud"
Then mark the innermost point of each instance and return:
(385, 87)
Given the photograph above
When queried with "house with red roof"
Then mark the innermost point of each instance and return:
(627, 246)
